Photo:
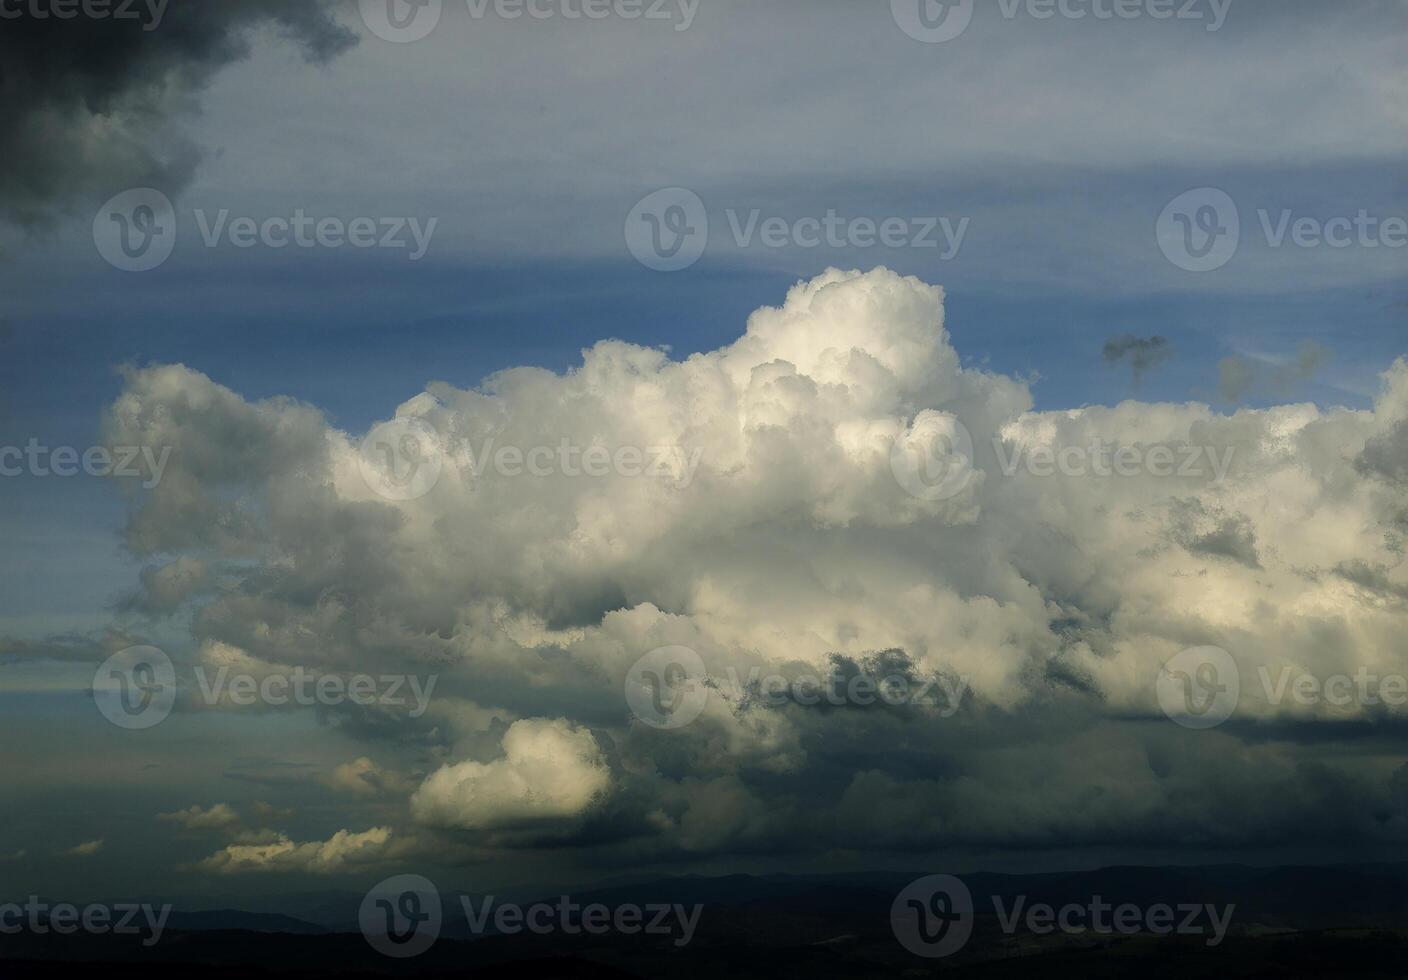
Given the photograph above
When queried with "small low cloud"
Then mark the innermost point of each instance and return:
(87, 849)
(343, 851)
(1142, 353)
(363, 777)
(221, 816)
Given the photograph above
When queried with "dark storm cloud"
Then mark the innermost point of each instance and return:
(89, 105)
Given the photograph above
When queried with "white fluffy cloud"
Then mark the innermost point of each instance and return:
(343, 851)
(551, 770)
(1056, 598)
(220, 816)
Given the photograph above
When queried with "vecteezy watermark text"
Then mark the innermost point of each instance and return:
(150, 12)
(37, 459)
(402, 916)
(933, 917)
(934, 459)
(136, 230)
(1201, 687)
(302, 231)
(1102, 459)
(403, 458)
(668, 230)
(572, 918)
(1200, 230)
(136, 688)
(669, 687)
(119, 919)
(306, 688)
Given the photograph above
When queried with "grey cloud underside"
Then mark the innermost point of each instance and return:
(795, 549)
(1239, 377)
(89, 107)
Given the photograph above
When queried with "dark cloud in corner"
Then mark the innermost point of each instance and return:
(90, 106)
(1143, 353)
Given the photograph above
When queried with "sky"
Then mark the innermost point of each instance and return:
(1145, 230)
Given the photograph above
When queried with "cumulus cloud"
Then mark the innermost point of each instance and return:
(220, 816)
(551, 770)
(86, 849)
(344, 851)
(1055, 595)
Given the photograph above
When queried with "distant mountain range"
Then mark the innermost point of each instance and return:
(1339, 921)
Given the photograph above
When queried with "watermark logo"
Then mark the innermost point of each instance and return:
(401, 459)
(1199, 230)
(135, 230)
(668, 229)
(135, 688)
(934, 459)
(302, 230)
(572, 918)
(308, 689)
(1199, 687)
(401, 21)
(667, 687)
(932, 21)
(933, 916)
(401, 916)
